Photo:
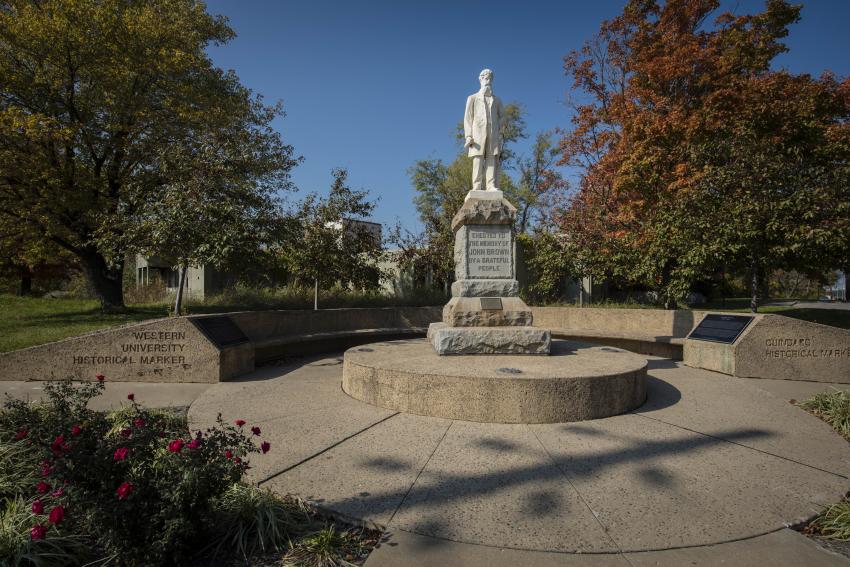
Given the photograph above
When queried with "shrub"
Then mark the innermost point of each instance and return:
(18, 548)
(326, 548)
(136, 480)
(833, 523)
(252, 520)
(833, 408)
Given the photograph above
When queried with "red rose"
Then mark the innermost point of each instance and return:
(194, 443)
(131, 396)
(58, 444)
(42, 487)
(121, 453)
(239, 422)
(265, 446)
(75, 429)
(100, 377)
(255, 430)
(21, 434)
(125, 490)
(139, 422)
(57, 514)
(38, 507)
(45, 469)
(176, 446)
(237, 460)
(38, 532)
(228, 454)
(126, 432)
(58, 492)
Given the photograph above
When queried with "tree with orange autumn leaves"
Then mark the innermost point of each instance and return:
(695, 154)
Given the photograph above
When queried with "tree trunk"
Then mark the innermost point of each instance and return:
(26, 281)
(666, 274)
(316, 295)
(754, 286)
(106, 281)
(178, 301)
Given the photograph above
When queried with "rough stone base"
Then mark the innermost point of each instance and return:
(467, 312)
(489, 340)
(485, 288)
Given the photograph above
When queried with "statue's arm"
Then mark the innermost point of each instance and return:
(467, 121)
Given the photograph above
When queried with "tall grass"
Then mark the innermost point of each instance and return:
(245, 298)
(253, 520)
(833, 408)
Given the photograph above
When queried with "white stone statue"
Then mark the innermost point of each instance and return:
(481, 129)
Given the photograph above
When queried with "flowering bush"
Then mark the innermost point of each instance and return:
(137, 481)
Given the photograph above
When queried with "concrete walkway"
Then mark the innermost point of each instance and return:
(710, 469)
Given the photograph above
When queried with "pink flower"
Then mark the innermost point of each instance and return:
(176, 446)
(57, 514)
(239, 422)
(139, 422)
(38, 531)
(58, 492)
(100, 377)
(75, 430)
(42, 487)
(265, 446)
(21, 434)
(38, 507)
(194, 443)
(255, 430)
(228, 454)
(131, 396)
(125, 490)
(121, 453)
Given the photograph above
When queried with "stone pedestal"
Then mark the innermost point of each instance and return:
(485, 314)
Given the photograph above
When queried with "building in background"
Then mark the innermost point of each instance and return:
(201, 281)
(838, 290)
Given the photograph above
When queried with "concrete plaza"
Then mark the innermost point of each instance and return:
(711, 470)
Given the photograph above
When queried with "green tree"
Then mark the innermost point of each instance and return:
(329, 241)
(102, 105)
(540, 186)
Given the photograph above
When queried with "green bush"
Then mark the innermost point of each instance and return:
(134, 481)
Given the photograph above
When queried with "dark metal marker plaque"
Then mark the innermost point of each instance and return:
(494, 303)
(220, 330)
(720, 328)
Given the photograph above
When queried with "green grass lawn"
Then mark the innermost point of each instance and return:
(28, 321)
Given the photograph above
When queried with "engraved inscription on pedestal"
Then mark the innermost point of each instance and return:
(489, 252)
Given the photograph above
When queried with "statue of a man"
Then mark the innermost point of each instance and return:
(481, 128)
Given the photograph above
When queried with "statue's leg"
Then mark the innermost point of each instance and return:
(477, 173)
(492, 172)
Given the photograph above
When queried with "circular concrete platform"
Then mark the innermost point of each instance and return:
(575, 382)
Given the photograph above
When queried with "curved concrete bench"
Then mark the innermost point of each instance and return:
(317, 343)
(275, 334)
(654, 332)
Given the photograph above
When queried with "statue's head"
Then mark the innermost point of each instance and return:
(485, 77)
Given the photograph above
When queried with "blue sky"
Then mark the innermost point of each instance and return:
(373, 86)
